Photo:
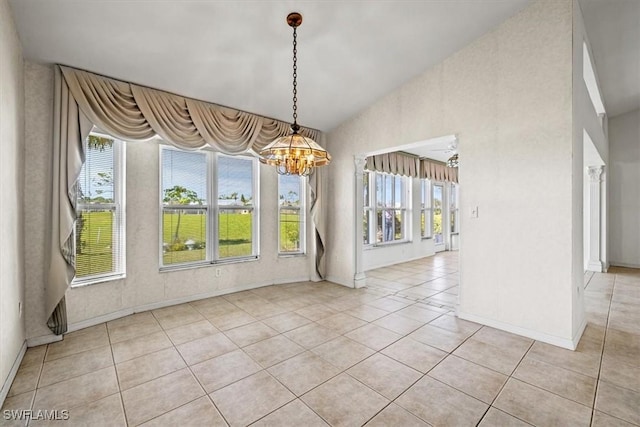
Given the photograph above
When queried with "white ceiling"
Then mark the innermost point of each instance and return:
(238, 53)
(613, 29)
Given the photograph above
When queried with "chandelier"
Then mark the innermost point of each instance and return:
(453, 161)
(294, 154)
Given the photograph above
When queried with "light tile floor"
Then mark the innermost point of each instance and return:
(307, 354)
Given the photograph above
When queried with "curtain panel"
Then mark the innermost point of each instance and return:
(437, 171)
(396, 163)
(134, 113)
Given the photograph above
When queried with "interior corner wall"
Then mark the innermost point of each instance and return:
(585, 119)
(12, 325)
(507, 96)
(624, 200)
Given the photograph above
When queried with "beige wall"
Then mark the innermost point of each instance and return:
(508, 97)
(145, 286)
(12, 329)
(624, 180)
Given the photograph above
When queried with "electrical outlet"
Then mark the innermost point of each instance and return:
(218, 272)
(474, 212)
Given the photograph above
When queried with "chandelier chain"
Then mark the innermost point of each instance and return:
(295, 77)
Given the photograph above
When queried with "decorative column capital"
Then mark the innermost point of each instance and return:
(595, 173)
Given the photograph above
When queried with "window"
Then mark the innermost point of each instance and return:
(291, 214)
(209, 212)
(453, 208)
(235, 207)
(100, 231)
(426, 212)
(385, 208)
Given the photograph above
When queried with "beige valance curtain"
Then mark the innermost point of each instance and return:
(396, 163)
(132, 113)
(437, 171)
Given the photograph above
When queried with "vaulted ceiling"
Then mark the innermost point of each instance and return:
(238, 53)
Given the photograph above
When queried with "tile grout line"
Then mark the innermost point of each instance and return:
(604, 342)
(113, 359)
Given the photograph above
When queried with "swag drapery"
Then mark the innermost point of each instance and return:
(135, 113)
(396, 163)
(437, 171)
(399, 163)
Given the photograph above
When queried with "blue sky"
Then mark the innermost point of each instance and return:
(188, 169)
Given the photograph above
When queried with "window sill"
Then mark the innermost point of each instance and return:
(386, 244)
(96, 280)
(178, 267)
(292, 255)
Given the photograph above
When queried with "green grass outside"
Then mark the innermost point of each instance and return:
(94, 253)
(94, 245)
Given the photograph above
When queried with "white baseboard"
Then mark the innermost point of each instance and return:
(578, 334)
(4, 391)
(340, 281)
(167, 303)
(394, 262)
(623, 264)
(536, 335)
(42, 340)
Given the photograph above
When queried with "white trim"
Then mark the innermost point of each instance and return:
(622, 264)
(42, 340)
(576, 338)
(387, 264)
(162, 304)
(4, 391)
(349, 283)
(568, 343)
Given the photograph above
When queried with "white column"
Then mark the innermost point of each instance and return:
(595, 228)
(359, 277)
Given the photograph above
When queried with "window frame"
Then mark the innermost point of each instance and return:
(213, 209)
(302, 209)
(119, 230)
(374, 206)
(426, 208)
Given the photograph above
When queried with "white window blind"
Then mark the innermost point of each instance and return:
(99, 233)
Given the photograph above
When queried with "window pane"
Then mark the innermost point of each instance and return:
(397, 225)
(96, 244)
(98, 234)
(397, 193)
(184, 235)
(388, 191)
(184, 178)
(291, 219)
(235, 181)
(422, 223)
(437, 214)
(234, 233)
(365, 226)
(290, 222)
(289, 190)
(96, 181)
(184, 230)
(379, 190)
(365, 187)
